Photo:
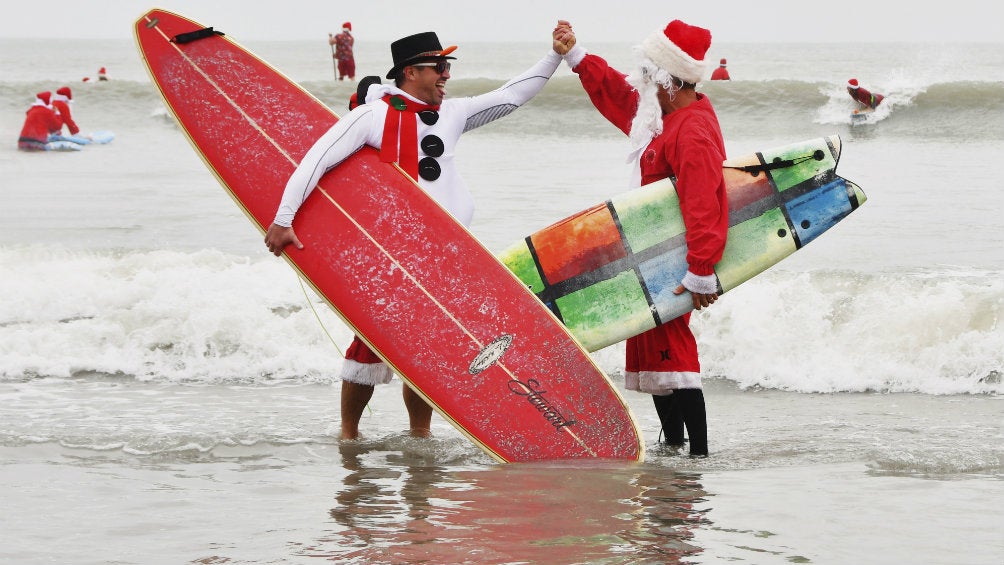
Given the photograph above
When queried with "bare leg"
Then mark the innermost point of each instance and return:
(419, 412)
(355, 397)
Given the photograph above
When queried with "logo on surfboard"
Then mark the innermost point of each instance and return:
(534, 393)
(490, 354)
(531, 390)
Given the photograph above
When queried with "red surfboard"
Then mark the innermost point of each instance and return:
(410, 280)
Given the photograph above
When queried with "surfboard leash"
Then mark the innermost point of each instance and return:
(779, 163)
(318, 316)
(320, 322)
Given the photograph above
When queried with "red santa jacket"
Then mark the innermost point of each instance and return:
(38, 123)
(690, 148)
(62, 110)
(865, 97)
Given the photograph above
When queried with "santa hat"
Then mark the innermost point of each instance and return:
(347, 25)
(65, 91)
(42, 98)
(722, 62)
(853, 83)
(679, 50)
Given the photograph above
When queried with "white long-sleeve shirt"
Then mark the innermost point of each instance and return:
(364, 126)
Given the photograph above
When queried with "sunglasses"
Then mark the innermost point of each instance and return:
(440, 66)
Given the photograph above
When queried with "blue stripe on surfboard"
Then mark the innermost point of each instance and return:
(639, 275)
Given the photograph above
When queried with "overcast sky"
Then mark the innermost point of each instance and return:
(522, 20)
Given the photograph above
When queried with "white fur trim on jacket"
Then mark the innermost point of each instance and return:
(574, 56)
(706, 284)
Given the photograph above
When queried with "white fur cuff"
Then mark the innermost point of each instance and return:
(575, 56)
(697, 284)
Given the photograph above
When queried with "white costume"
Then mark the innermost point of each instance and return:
(364, 125)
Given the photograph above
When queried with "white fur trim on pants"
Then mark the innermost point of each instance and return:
(366, 373)
(658, 382)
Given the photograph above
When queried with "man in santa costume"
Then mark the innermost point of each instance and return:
(39, 122)
(412, 124)
(863, 96)
(721, 73)
(61, 101)
(343, 43)
(674, 132)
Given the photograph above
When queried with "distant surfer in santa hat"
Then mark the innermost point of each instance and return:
(102, 75)
(39, 122)
(342, 53)
(721, 73)
(862, 96)
(61, 101)
(674, 132)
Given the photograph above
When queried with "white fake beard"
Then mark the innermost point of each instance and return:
(647, 122)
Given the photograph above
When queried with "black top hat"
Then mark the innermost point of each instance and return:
(414, 48)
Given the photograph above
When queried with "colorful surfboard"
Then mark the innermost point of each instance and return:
(425, 295)
(609, 271)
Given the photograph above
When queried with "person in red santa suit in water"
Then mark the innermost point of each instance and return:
(862, 96)
(674, 132)
(39, 122)
(721, 73)
(345, 60)
(61, 101)
(424, 130)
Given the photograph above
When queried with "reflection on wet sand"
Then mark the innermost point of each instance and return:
(393, 507)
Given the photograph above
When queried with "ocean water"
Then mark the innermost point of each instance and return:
(170, 392)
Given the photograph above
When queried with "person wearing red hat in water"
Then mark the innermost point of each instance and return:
(410, 122)
(721, 73)
(39, 122)
(342, 52)
(61, 101)
(673, 132)
(102, 75)
(862, 96)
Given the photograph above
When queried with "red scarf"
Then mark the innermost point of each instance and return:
(400, 133)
